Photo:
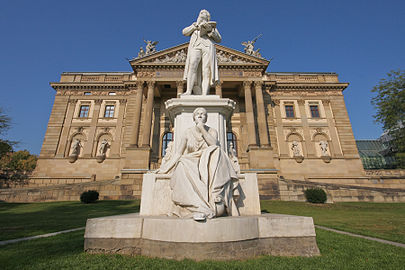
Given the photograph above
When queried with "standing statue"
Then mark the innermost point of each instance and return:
(203, 181)
(103, 148)
(141, 53)
(234, 158)
(150, 46)
(201, 70)
(295, 148)
(76, 148)
(324, 147)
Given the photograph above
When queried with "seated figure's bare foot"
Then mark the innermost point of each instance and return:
(186, 93)
(199, 217)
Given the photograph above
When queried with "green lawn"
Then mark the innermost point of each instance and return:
(66, 252)
(382, 220)
(28, 219)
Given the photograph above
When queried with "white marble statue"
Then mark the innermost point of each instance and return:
(203, 181)
(103, 148)
(296, 149)
(324, 148)
(76, 145)
(201, 70)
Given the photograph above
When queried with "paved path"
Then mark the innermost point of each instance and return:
(38, 236)
(362, 236)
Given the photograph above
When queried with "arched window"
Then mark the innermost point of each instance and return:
(168, 137)
(231, 138)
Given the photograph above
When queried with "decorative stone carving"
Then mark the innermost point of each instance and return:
(325, 151)
(102, 150)
(201, 70)
(297, 154)
(233, 157)
(141, 53)
(75, 150)
(150, 46)
(203, 181)
(249, 47)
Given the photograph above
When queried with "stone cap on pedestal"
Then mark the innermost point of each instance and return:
(212, 103)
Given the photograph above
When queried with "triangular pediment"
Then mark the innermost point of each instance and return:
(176, 56)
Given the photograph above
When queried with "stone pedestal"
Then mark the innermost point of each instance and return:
(219, 111)
(225, 238)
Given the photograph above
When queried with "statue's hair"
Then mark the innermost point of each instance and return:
(197, 109)
(206, 12)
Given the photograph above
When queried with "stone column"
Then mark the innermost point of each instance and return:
(116, 144)
(332, 129)
(250, 119)
(180, 87)
(310, 148)
(88, 147)
(137, 117)
(218, 89)
(148, 115)
(64, 137)
(261, 115)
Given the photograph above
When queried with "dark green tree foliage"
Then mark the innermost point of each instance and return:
(390, 104)
(89, 196)
(315, 195)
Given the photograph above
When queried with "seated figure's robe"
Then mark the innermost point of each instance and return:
(202, 176)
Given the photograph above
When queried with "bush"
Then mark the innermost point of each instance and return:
(89, 196)
(315, 195)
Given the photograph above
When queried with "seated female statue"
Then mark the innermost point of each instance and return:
(204, 183)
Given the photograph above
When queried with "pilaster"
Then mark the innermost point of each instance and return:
(116, 145)
(87, 149)
(307, 134)
(66, 127)
(148, 115)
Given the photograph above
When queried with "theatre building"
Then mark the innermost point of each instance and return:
(112, 127)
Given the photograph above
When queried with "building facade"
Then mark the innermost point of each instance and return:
(113, 125)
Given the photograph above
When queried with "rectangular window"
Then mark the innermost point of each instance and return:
(84, 111)
(289, 111)
(109, 111)
(111, 93)
(87, 93)
(314, 111)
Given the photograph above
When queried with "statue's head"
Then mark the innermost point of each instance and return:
(200, 115)
(203, 16)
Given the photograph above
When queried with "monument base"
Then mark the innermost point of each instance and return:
(224, 238)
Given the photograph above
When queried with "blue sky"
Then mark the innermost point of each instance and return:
(359, 40)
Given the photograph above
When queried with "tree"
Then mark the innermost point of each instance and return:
(17, 165)
(5, 145)
(390, 104)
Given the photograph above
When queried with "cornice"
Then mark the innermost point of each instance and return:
(300, 86)
(86, 85)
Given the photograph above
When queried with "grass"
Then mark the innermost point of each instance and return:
(66, 252)
(382, 220)
(28, 219)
